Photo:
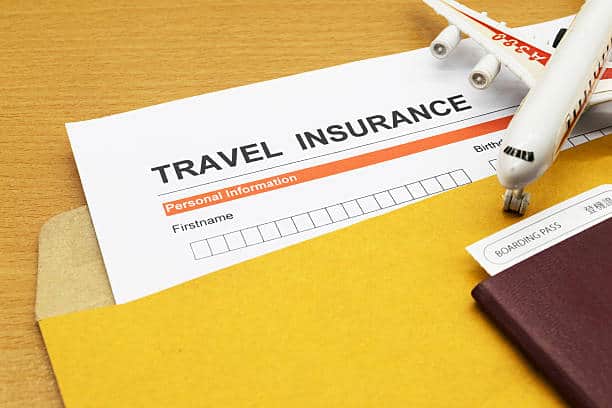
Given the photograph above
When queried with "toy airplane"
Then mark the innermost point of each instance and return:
(562, 84)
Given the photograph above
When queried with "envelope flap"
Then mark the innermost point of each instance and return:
(71, 274)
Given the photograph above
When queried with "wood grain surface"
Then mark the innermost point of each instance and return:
(66, 61)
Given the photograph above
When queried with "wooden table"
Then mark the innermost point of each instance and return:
(72, 60)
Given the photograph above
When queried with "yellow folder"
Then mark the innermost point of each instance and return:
(378, 314)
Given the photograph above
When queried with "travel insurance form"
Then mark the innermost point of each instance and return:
(185, 188)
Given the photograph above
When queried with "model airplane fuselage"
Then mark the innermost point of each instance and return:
(562, 85)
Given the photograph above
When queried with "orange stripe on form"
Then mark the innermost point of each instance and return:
(329, 169)
(607, 74)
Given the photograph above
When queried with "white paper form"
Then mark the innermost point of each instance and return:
(185, 188)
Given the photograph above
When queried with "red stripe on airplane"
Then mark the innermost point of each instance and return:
(520, 47)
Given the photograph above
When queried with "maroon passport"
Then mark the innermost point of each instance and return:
(557, 307)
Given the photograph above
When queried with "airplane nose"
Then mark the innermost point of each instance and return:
(514, 173)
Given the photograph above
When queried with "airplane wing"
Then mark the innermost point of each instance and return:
(603, 92)
(525, 60)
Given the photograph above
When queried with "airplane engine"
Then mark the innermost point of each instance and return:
(485, 71)
(445, 42)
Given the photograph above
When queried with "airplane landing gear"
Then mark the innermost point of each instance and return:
(516, 201)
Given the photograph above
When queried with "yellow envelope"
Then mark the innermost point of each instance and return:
(378, 314)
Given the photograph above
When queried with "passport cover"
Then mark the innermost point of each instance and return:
(378, 314)
(557, 306)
